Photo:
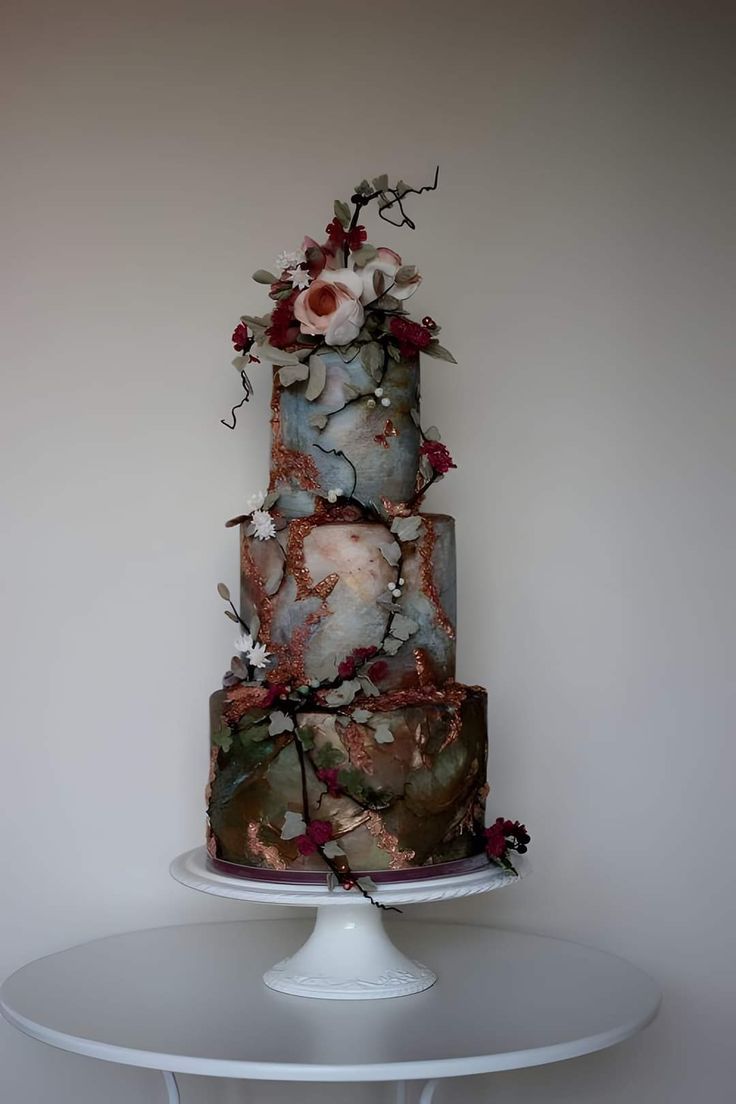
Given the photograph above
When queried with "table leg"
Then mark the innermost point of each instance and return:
(172, 1089)
(425, 1097)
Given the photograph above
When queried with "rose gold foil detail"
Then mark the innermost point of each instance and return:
(353, 739)
(324, 589)
(420, 739)
(454, 728)
(452, 693)
(239, 699)
(288, 466)
(395, 509)
(398, 858)
(426, 577)
(265, 851)
(261, 600)
(214, 752)
(423, 666)
(299, 530)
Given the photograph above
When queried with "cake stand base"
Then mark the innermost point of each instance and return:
(349, 955)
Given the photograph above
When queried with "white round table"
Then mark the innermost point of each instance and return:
(191, 999)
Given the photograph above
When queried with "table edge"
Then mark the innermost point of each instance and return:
(389, 1071)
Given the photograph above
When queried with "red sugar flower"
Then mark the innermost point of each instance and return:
(272, 694)
(339, 237)
(319, 831)
(330, 775)
(438, 456)
(241, 338)
(284, 330)
(504, 836)
(410, 335)
(346, 668)
(305, 845)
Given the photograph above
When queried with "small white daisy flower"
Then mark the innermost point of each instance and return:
(263, 524)
(290, 258)
(300, 278)
(378, 392)
(385, 402)
(244, 643)
(258, 656)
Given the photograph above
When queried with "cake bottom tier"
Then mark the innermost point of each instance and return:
(400, 780)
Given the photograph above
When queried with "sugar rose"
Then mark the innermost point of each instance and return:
(379, 276)
(331, 306)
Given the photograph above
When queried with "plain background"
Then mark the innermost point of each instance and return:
(580, 254)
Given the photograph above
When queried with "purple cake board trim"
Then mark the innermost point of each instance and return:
(313, 877)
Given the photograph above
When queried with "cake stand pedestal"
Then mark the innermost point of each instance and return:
(349, 954)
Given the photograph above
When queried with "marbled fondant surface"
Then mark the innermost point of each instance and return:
(321, 589)
(381, 441)
(416, 800)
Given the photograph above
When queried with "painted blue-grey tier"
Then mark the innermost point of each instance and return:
(376, 433)
(321, 589)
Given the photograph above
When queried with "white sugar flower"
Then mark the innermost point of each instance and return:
(263, 524)
(334, 494)
(257, 655)
(300, 278)
(244, 643)
(255, 501)
(290, 259)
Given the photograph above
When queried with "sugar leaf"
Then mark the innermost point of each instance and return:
(293, 825)
(369, 687)
(403, 627)
(279, 722)
(391, 552)
(434, 349)
(407, 528)
(343, 695)
(290, 373)
(332, 850)
(317, 378)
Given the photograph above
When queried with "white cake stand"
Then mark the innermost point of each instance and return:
(349, 955)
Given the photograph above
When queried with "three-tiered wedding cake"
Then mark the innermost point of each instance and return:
(341, 742)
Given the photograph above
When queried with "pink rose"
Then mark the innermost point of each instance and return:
(331, 306)
(379, 277)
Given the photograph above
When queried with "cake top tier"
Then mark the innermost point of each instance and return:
(345, 355)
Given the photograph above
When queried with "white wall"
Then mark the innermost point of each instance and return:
(580, 254)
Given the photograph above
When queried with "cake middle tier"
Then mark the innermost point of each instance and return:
(324, 588)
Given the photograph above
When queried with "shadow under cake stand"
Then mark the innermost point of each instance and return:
(349, 954)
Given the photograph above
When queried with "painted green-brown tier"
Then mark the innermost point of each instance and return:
(416, 800)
